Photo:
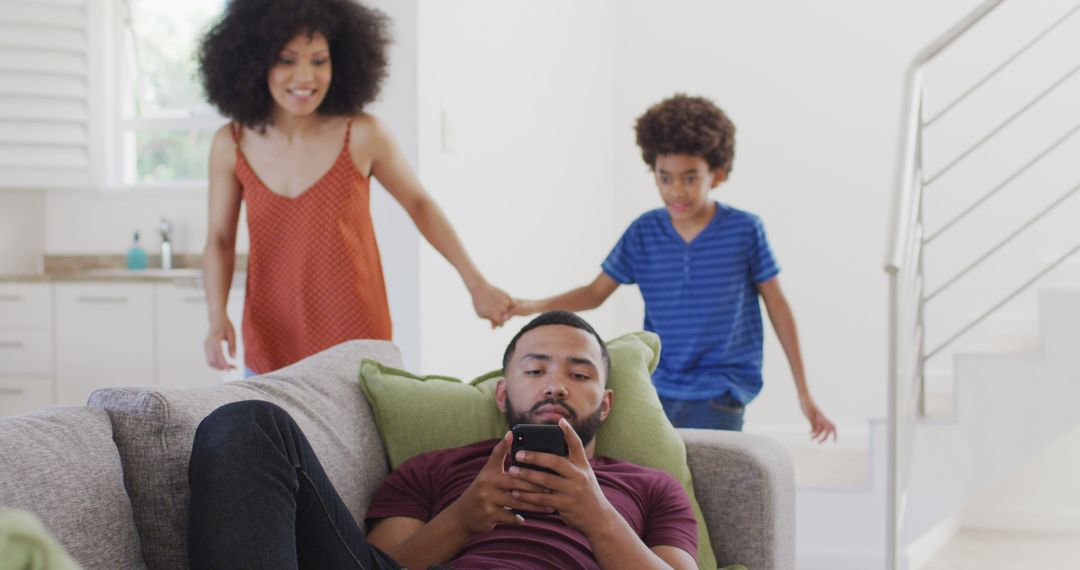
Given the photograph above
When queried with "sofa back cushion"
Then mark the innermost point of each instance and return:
(61, 465)
(154, 429)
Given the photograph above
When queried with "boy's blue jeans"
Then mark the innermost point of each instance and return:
(723, 412)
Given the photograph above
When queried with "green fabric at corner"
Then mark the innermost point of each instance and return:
(25, 544)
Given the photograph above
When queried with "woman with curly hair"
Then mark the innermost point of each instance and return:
(294, 77)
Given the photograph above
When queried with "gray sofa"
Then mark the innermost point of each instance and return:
(110, 479)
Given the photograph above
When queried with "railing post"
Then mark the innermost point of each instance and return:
(892, 474)
(905, 264)
(920, 323)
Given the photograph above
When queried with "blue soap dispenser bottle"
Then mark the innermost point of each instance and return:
(136, 256)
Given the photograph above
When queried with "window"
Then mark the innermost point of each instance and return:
(166, 123)
(49, 79)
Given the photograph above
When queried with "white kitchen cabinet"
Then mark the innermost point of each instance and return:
(26, 347)
(26, 351)
(26, 306)
(60, 342)
(182, 324)
(104, 337)
(22, 394)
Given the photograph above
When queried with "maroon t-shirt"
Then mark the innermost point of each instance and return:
(650, 500)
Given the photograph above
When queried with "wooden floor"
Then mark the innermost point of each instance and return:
(1008, 550)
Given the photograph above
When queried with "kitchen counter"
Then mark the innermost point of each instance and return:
(110, 268)
(183, 276)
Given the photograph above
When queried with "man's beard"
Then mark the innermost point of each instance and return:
(585, 427)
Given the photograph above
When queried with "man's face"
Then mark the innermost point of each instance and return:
(556, 371)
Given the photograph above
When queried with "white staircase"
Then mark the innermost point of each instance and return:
(985, 187)
(1012, 396)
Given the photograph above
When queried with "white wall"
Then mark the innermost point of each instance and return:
(93, 222)
(525, 88)
(398, 239)
(814, 90)
(22, 217)
(540, 193)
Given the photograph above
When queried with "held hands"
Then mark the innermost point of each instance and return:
(222, 332)
(820, 426)
(492, 303)
(573, 492)
(488, 500)
(524, 308)
(521, 308)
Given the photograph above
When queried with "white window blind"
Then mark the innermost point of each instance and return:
(52, 80)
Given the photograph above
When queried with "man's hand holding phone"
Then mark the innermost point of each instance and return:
(489, 498)
(570, 488)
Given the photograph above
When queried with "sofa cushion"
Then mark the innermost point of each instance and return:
(416, 414)
(61, 465)
(154, 429)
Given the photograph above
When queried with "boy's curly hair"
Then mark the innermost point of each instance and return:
(236, 54)
(687, 125)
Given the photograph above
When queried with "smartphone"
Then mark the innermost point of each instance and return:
(539, 438)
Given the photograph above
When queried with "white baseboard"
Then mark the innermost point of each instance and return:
(1061, 520)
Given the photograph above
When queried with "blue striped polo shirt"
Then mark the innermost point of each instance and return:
(701, 298)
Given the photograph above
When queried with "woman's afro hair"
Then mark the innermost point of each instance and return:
(236, 54)
(692, 126)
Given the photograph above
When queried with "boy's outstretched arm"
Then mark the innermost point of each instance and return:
(783, 323)
(584, 298)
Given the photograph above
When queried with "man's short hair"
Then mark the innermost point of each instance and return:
(693, 126)
(558, 318)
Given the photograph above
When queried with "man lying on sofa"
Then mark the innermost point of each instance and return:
(260, 498)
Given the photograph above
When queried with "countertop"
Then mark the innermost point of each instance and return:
(110, 268)
(182, 276)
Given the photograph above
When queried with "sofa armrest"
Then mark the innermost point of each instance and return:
(746, 487)
(153, 429)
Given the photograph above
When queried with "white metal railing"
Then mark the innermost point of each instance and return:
(907, 242)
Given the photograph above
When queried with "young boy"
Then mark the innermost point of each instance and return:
(700, 266)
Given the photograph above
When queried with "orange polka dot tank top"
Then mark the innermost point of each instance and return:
(314, 276)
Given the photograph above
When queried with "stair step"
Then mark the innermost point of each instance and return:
(940, 405)
(1003, 345)
(1061, 286)
(841, 465)
(823, 467)
(974, 549)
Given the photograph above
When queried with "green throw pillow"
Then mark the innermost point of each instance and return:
(417, 414)
(25, 544)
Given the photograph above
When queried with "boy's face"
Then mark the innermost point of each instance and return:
(684, 182)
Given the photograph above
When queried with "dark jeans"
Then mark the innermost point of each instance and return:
(724, 412)
(260, 498)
